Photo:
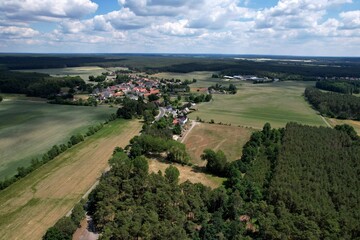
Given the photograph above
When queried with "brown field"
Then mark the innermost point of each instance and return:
(186, 173)
(33, 204)
(355, 124)
(229, 139)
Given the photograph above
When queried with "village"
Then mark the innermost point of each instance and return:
(148, 89)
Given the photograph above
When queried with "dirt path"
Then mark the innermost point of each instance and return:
(326, 122)
(193, 124)
(32, 205)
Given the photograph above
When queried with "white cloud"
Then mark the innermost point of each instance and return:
(13, 32)
(176, 29)
(46, 10)
(160, 7)
(350, 20)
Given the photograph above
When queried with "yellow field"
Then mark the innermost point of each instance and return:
(33, 204)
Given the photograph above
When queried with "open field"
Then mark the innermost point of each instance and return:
(255, 104)
(186, 173)
(198, 75)
(83, 72)
(355, 124)
(229, 139)
(30, 128)
(36, 202)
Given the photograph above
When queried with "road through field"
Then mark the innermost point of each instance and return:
(33, 204)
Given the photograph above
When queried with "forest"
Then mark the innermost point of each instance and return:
(37, 84)
(337, 105)
(346, 87)
(299, 182)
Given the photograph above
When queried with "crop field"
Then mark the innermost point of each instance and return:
(255, 104)
(33, 204)
(83, 72)
(30, 128)
(229, 139)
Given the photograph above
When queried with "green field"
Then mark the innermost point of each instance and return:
(255, 104)
(83, 72)
(30, 128)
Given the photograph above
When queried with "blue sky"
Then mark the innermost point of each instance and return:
(283, 27)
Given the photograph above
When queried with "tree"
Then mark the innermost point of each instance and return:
(172, 174)
(1, 98)
(216, 162)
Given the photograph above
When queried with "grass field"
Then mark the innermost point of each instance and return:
(256, 104)
(229, 139)
(33, 204)
(30, 128)
(83, 72)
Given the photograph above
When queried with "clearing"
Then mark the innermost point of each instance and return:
(187, 173)
(255, 104)
(229, 139)
(33, 204)
(30, 128)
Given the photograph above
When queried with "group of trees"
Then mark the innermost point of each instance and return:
(198, 98)
(346, 87)
(91, 101)
(130, 203)
(99, 78)
(218, 87)
(37, 84)
(65, 227)
(136, 108)
(146, 144)
(1, 98)
(332, 104)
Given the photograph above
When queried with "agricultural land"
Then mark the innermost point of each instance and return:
(30, 128)
(36, 202)
(255, 104)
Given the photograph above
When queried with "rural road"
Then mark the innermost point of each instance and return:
(161, 114)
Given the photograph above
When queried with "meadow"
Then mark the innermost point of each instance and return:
(34, 203)
(255, 104)
(229, 139)
(30, 128)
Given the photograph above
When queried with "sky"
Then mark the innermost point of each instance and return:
(271, 27)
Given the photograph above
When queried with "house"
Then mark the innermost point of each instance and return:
(183, 120)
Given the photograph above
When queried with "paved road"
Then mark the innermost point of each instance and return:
(161, 114)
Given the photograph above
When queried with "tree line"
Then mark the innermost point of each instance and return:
(37, 84)
(342, 106)
(345, 87)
